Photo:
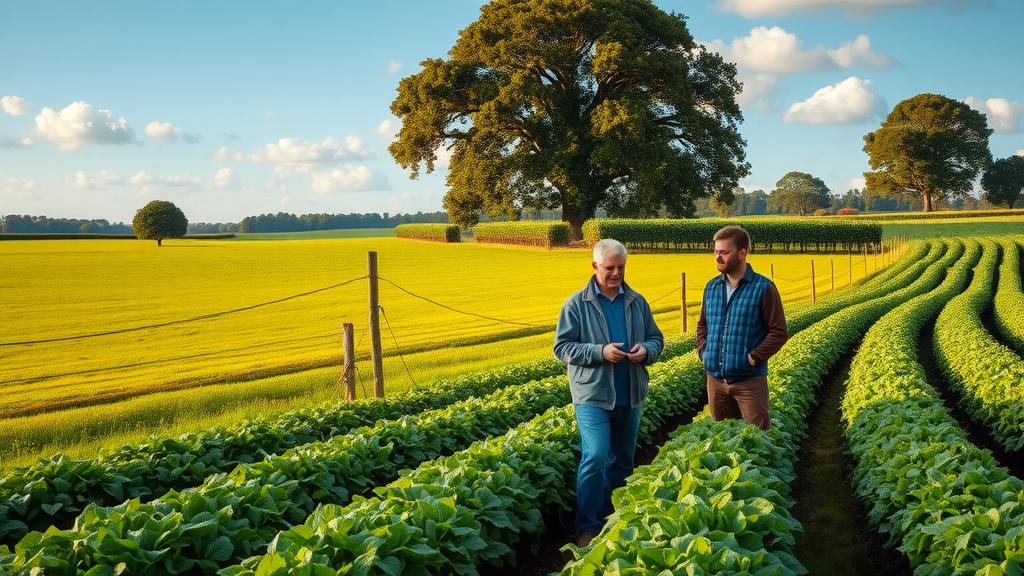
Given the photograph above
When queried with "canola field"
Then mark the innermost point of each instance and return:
(105, 336)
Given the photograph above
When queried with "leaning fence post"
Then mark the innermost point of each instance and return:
(348, 375)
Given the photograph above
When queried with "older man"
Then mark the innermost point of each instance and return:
(741, 325)
(607, 336)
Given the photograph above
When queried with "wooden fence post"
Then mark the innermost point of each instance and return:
(348, 375)
(683, 281)
(814, 297)
(375, 350)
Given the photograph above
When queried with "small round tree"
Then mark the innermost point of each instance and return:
(158, 220)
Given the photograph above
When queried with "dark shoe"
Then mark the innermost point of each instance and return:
(583, 539)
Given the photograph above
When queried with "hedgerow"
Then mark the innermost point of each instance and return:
(433, 232)
(544, 233)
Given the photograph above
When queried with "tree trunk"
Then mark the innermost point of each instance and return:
(158, 241)
(927, 201)
(574, 217)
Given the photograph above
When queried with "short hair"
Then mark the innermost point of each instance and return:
(607, 245)
(740, 237)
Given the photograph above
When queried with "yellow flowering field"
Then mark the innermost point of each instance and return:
(99, 326)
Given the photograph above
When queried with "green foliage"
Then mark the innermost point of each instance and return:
(946, 503)
(799, 193)
(716, 497)
(987, 374)
(1009, 302)
(765, 234)
(1003, 181)
(574, 104)
(929, 145)
(435, 232)
(57, 488)
(158, 220)
(544, 233)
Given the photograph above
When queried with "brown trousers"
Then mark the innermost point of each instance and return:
(746, 399)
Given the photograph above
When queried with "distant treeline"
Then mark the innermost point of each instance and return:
(15, 224)
(282, 222)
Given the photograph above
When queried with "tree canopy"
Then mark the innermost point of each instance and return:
(574, 104)
(158, 220)
(799, 193)
(929, 145)
(1003, 182)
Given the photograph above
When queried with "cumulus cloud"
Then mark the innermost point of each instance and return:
(225, 178)
(388, 129)
(394, 66)
(167, 132)
(852, 101)
(140, 179)
(775, 51)
(12, 143)
(348, 179)
(97, 181)
(294, 155)
(759, 92)
(759, 8)
(80, 124)
(15, 105)
(19, 188)
(1004, 117)
(444, 157)
(144, 179)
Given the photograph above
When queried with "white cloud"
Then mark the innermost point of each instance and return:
(775, 51)
(1004, 117)
(388, 129)
(80, 124)
(294, 155)
(12, 143)
(348, 179)
(758, 8)
(394, 66)
(852, 101)
(225, 178)
(140, 179)
(97, 181)
(759, 92)
(162, 131)
(444, 157)
(19, 188)
(15, 105)
(181, 181)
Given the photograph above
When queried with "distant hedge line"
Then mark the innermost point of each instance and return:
(432, 232)
(766, 234)
(937, 215)
(545, 233)
(84, 236)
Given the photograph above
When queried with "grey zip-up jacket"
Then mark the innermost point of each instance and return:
(581, 335)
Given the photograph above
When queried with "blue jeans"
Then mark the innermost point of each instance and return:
(608, 442)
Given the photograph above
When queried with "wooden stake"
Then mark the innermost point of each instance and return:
(375, 351)
(348, 375)
(814, 296)
(683, 286)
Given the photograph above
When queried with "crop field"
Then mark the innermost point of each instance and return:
(121, 338)
(471, 474)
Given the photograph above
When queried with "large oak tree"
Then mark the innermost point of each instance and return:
(799, 193)
(929, 145)
(158, 220)
(574, 105)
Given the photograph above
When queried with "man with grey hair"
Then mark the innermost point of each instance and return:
(607, 336)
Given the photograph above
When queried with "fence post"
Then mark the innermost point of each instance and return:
(773, 272)
(851, 265)
(865, 260)
(683, 282)
(832, 264)
(348, 375)
(375, 351)
(814, 295)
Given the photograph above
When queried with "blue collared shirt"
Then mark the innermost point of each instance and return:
(614, 310)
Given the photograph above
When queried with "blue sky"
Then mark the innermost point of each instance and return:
(231, 109)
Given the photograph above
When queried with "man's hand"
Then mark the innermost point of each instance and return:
(612, 353)
(751, 359)
(637, 354)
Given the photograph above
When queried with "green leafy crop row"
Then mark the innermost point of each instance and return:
(715, 499)
(782, 233)
(943, 501)
(546, 233)
(987, 374)
(1009, 302)
(56, 489)
(433, 232)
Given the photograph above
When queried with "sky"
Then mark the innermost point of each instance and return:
(232, 109)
